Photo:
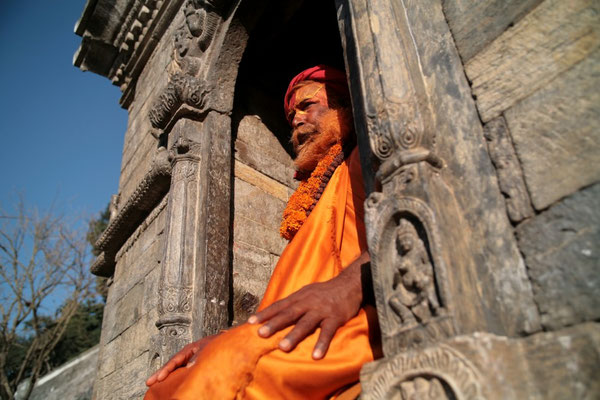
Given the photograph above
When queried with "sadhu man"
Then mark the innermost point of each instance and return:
(311, 334)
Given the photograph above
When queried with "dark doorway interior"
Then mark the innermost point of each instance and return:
(288, 37)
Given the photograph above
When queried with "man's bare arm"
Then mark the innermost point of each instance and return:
(326, 305)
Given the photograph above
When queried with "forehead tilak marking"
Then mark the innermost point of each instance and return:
(304, 93)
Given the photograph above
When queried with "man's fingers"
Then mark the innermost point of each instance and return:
(280, 321)
(167, 369)
(196, 351)
(305, 326)
(152, 380)
(328, 329)
(268, 312)
(161, 374)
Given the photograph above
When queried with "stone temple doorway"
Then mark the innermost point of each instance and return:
(287, 38)
(463, 125)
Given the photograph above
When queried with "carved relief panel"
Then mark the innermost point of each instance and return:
(409, 275)
(393, 115)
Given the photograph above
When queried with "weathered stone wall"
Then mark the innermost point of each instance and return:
(534, 67)
(131, 312)
(263, 182)
(131, 308)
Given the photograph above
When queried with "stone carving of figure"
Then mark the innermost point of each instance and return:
(414, 298)
(422, 388)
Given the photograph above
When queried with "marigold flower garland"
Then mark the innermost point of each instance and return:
(304, 199)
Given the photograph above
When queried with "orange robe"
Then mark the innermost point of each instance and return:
(239, 364)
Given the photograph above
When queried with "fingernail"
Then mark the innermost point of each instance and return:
(318, 353)
(263, 331)
(285, 344)
(252, 319)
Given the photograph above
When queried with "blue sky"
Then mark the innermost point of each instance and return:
(62, 129)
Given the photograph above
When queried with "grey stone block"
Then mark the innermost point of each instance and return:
(124, 313)
(549, 365)
(125, 383)
(476, 23)
(562, 253)
(255, 234)
(253, 203)
(556, 134)
(257, 147)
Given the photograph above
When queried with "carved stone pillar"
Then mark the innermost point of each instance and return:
(194, 286)
(180, 254)
(444, 258)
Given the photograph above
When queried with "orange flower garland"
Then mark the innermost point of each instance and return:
(308, 193)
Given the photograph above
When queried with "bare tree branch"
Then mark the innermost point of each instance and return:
(43, 260)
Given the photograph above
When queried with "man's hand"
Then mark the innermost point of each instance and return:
(327, 305)
(186, 356)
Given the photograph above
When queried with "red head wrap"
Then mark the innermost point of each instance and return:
(333, 78)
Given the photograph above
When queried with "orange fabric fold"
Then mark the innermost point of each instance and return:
(239, 364)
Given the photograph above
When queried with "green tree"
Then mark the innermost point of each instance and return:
(95, 228)
(82, 333)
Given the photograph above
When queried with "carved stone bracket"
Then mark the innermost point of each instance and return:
(409, 274)
(186, 92)
(434, 373)
(184, 95)
(202, 18)
(144, 199)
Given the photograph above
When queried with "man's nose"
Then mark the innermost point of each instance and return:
(298, 120)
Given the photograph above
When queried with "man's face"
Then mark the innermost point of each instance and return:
(315, 126)
(310, 106)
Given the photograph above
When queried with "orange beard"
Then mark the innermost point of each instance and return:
(334, 126)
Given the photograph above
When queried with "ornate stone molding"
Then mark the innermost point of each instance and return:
(173, 301)
(434, 373)
(132, 33)
(142, 228)
(396, 126)
(151, 189)
(395, 162)
(120, 46)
